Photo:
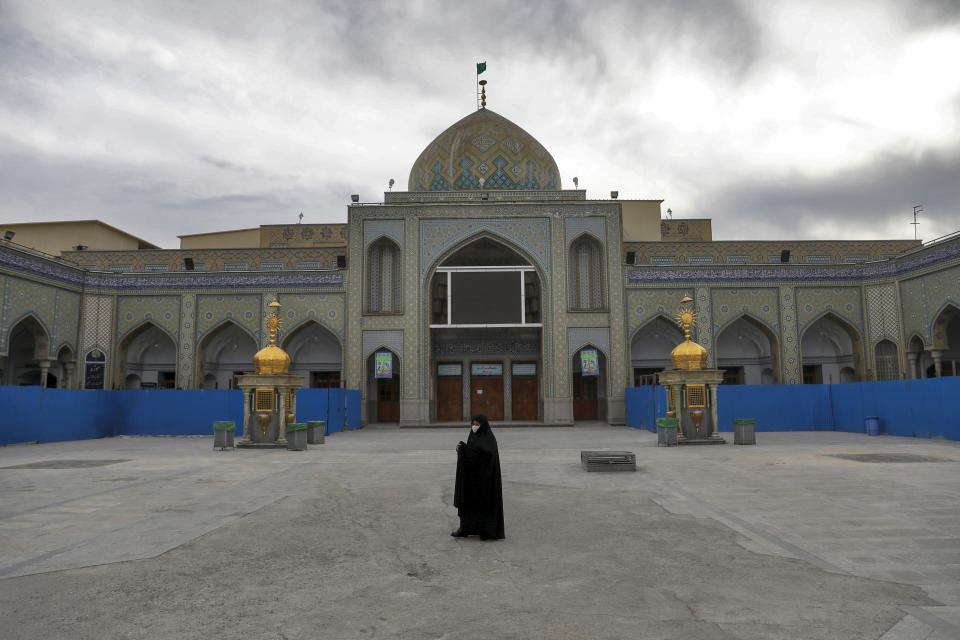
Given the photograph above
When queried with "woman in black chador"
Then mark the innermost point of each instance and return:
(478, 495)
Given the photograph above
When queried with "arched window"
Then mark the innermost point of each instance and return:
(888, 367)
(383, 277)
(585, 275)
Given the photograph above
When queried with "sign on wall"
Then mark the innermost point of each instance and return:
(486, 369)
(383, 364)
(589, 365)
(450, 369)
(94, 369)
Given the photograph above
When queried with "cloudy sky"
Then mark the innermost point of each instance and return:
(799, 119)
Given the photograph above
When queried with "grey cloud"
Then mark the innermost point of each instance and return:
(860, 199)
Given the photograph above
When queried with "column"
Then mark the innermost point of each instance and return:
(282, 430)
(912, 358)
(44, 369)
(246, 414)
(677, 392)
(68, 368)
(937, 362)
(713, 411)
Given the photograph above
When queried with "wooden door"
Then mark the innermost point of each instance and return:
(486, 397)
(388, 399)
(584, 397)
(524, 397)
(449, 398)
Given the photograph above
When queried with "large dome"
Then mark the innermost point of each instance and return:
(488, 146)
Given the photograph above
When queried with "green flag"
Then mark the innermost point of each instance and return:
(481, 67)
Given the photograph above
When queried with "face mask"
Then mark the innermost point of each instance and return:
(475, 427)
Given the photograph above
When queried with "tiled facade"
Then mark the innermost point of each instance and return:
(877, 290)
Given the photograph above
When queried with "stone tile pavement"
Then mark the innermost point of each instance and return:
(806, 535)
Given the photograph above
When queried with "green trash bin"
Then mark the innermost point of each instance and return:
(316, 431)
(744, 431)
(297, 436)
(223, 431)
(666, 432)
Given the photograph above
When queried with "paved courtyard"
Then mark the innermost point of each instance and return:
(806, 535)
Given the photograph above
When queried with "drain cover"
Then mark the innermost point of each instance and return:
(65, 464)
(885, 457)
(608, 460)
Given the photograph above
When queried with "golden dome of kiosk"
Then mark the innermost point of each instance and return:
(272, 359)
(484, 151)
(688, 355)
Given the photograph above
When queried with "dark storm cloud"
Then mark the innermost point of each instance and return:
(720, 32)
(860, 201)
(180, 117)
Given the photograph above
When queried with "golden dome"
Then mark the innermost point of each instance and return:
(689, 355)
(271, 360)
(484, 151)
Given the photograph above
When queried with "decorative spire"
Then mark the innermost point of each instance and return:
(686, 317)
(688, 354)
(274, 322)
(483, 94)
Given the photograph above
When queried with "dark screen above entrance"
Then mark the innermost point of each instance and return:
(490, 297)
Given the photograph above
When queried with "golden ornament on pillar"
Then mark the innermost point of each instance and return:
(688, 355)
(272, 359)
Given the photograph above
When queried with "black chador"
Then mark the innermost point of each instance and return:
(478, 495)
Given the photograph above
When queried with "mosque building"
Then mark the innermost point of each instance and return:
(485, 287)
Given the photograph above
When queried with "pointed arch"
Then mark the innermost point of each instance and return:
(150, 352)
(217, 365)
(383, 392)
(586, 274)
(316, 353)
(588, 391)
(746, 348)
(253, 336)
(383, 275)
(40, 332)
(28, 352)
(141, 325)
(829, 344)
(650, 347)
(542, 264)
(483, 234)
(435, 291)
(946, 314)
(887, 359)
(918, 358)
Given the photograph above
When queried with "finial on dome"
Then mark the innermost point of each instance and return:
(688, 354)
(483, 94)
(272, 359)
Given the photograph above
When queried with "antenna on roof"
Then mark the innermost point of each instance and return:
(917, 208)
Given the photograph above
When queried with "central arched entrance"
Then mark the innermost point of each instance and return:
(485, 335)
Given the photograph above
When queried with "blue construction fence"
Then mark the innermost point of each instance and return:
(34, 414)
(919, 408)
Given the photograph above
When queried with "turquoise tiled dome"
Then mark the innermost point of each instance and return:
(484, 145)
